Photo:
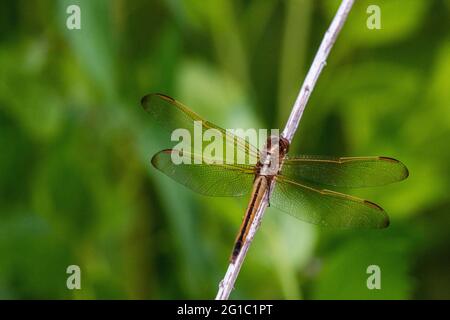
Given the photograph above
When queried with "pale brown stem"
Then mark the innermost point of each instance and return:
(319, 62)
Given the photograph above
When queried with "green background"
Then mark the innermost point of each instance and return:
(77, 187)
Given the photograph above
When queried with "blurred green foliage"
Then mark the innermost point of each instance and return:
(76, 185)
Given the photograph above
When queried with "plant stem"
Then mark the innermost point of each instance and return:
(319, 62)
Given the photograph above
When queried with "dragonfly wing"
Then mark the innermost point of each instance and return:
(209, 178)
(171, 115)
(351, 172)
(326, 208)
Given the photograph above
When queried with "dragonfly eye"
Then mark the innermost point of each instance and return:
(284, 145)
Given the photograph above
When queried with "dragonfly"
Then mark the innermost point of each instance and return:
(302, 184)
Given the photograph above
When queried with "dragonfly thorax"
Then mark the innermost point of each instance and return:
(272, 155)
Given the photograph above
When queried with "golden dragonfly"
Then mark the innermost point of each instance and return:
(303, 183)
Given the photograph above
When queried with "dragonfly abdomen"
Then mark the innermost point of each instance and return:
(259, 189)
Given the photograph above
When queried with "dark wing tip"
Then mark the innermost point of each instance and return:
(406, 172)
(165, 97)
(384, 222)
(405, 169)
(145, 100)
(373, 205)
(388, 159)
(154, 159)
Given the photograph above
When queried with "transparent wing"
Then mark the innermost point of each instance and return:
(172, 115)
(209, 178)
(326, 208)
(352, 172)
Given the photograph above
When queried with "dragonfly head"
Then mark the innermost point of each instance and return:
(277, 143)
(283, 145)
